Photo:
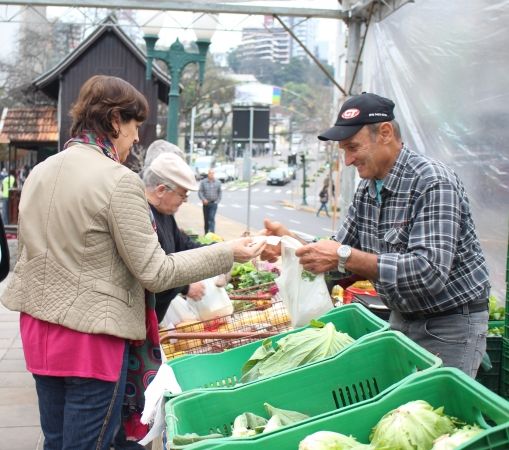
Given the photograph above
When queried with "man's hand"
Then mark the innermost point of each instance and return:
(205, 202)
(272, 252)
(275, 229)
(196, 291)
(319, 257)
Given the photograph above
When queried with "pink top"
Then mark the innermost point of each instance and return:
(58, 351)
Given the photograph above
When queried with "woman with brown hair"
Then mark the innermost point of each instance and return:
(87, 252)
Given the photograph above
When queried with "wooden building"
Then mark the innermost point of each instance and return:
(106, 51)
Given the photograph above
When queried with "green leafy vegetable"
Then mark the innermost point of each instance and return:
(412, 426)
(496, 312)
(496, 331)
(308, 276)
(189, 438)
(294, 350)
(239, 269)
(248, 424)
(454, 440)
(328, 440)
(281, 417)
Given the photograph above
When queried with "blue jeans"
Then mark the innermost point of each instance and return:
(80, 413)
(459, 340)
(209, 216)
(323, 206)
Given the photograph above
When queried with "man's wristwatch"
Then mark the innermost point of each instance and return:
(344, 252)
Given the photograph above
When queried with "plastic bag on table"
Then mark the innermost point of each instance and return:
(214, 303)
(304, 295)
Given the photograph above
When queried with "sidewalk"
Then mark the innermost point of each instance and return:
(19, 414)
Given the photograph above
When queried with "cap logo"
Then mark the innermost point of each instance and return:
(350, 113)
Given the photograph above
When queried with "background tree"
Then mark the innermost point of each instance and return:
(212, 101)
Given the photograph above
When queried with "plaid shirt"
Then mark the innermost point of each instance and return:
(210, 190)
(429, 256)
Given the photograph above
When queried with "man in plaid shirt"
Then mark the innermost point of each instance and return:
(409, 229)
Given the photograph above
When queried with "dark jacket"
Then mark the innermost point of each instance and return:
(172, 240)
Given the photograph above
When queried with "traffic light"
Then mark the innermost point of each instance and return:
(302, 158)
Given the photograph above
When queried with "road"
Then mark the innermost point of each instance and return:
(273, 202)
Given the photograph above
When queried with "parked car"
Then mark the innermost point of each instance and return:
(278, 176)
(202, 165)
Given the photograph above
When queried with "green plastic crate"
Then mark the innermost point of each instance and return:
(377, 364)
(224, 369)
(492, 378)
(460, 395)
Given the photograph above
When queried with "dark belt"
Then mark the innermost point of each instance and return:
(467, 308)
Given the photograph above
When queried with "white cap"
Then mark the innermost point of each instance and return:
(174, 169)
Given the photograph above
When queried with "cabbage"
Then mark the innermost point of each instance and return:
(412, 426)
(452, 441)
(294, 350)
(328, 440)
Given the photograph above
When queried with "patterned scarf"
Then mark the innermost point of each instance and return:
(89, 137)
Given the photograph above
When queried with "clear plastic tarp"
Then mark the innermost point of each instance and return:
(445, 64)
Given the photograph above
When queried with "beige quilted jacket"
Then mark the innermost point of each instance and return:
(87, 248)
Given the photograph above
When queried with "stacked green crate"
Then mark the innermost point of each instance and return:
(491, 378)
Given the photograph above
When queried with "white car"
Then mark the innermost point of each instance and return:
(226, 172)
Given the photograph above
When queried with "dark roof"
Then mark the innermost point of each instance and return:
(48, 81)
(37, 124)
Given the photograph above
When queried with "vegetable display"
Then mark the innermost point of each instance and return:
(416, 425)
(329, 440)
(496, 312)
(249, 424)
(412, 426)
(209, 238)
(315, 343)
(245, 425)
(454, 440)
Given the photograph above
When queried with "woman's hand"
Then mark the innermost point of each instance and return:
(196, 291)
(244, 249)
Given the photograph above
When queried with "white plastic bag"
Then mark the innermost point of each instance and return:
(214, 303)
(304, 298)
(179, 311)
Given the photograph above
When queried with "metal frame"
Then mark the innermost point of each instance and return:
(188, 6)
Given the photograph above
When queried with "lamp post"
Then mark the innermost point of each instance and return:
(176, 59)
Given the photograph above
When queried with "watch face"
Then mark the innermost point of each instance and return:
(344, 251)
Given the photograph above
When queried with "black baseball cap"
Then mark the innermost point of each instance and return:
(356, 112)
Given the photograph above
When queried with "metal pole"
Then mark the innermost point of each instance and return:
(347, 176)
(172, 124)
(304, 202)
(250, 155)
(191, 137)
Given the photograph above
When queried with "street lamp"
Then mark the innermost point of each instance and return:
(176, 59)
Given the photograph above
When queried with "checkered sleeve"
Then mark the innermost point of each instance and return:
(348, 233)
(417, 274)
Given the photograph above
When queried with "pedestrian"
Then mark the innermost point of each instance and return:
(87, 252)
(8, 183)
(409, 230)
(324, 199)
(210, 195)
